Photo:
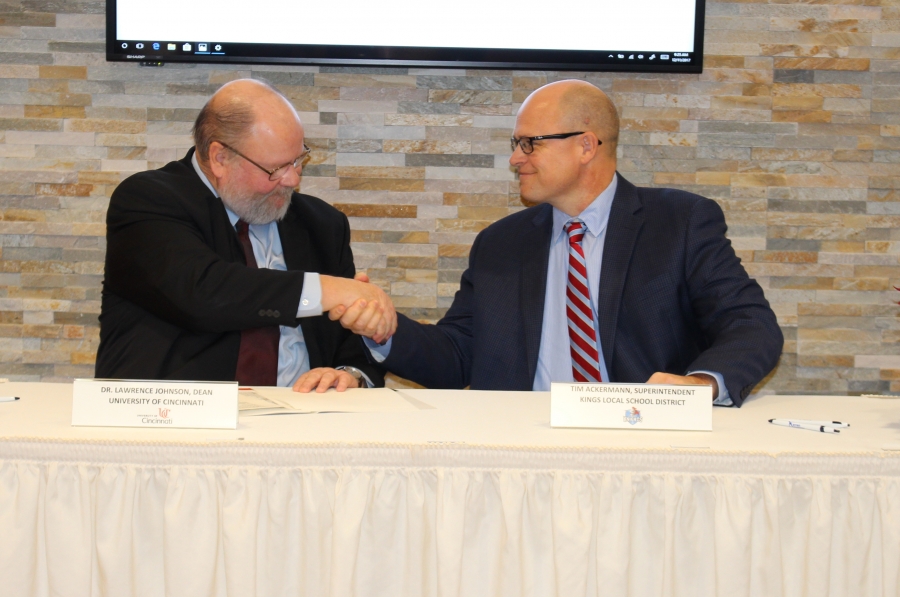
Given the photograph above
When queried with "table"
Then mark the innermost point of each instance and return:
(472, 494)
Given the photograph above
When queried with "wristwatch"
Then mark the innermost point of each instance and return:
(358, 375)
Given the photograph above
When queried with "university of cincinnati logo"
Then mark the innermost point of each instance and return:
(164, 413)
(633, 416)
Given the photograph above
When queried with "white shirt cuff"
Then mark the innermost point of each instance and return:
(724, 398)
(311, 297)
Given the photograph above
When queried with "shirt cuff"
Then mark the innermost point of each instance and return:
(311, 297)
(724, 398)
(379, 351)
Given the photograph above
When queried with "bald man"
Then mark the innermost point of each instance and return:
(600, 281)
(216, 269)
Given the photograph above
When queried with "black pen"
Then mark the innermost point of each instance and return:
(8, 398)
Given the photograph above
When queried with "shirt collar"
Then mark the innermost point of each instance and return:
(595, 216)
(232, 217)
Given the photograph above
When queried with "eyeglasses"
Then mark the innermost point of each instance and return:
(279, 172)
(527, 143)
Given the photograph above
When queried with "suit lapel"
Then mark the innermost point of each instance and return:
(298, 256)
(625, 221)
(535, 251)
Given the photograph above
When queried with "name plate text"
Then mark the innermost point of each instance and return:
(631, 406)
(137, 403)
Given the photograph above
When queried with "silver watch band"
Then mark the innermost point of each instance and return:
(360, 377)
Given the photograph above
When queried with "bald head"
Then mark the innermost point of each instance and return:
(579, 106)
(240, 109)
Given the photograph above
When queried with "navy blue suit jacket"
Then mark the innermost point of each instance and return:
(673, 297)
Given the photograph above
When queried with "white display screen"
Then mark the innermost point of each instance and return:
(404, 31)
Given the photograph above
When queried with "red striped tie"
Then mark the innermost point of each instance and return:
(582, 335)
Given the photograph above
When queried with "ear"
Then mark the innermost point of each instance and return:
(217, 159)
(590, 146)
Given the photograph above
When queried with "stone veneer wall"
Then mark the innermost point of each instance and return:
(793, 127)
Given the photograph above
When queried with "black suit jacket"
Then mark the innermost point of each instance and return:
(673, 297)
(177, 292)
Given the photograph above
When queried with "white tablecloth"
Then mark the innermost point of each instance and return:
(472, 494)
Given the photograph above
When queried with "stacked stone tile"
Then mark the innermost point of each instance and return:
(793, 127)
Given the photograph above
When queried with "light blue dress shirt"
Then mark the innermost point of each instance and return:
(293, 358)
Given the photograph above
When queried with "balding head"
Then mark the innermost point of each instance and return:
(238, 110)
(580, 106)
(574, 130)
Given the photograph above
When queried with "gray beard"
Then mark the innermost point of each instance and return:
(258, 208)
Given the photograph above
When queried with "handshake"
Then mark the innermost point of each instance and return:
(361, 307)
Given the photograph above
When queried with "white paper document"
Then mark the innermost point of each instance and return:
(283, 401)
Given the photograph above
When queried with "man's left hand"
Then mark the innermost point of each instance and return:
(323, 378)
(686, 380)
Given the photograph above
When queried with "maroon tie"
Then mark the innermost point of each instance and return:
(258, 358)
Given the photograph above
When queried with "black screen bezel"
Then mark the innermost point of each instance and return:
(424, 57)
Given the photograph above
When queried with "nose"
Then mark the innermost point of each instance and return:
(292, 177)
(518, 157)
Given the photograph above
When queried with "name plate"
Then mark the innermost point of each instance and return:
(631, 406)
(137, 403)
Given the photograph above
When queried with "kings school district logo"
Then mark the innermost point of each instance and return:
(633, 416)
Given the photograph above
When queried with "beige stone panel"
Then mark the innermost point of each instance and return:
(759, 180)
(379, 172)
(84, 125)
(800, 50)
(816, 220)
(854, 12)
(46, 138)
(426, 146)
(377, 211)
(801, 116)
(648, 86)
(428, 120)
(810, 89)
(381, 184)
(453, 250)
(742, 75)
(797, 102)
(674, 139)
(462, 225)
(358, 80)
(445, 289)
(674, 178)
(730, 102)
(487, 109)
(786, 256)
(890, 130)
(19, 71)
(645, 124)
(412, 302)
(638, 112)
(482, 213)
(121, 140)
(422, 276)
(731, 48)
(877, 284)
(677, 101)
(728, 61)
(469, 96)
(842, 246)
(807, 63)
(818, 180)
(63, 72)
(797, 269)
(476, 199)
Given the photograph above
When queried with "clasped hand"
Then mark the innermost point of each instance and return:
(361, 307)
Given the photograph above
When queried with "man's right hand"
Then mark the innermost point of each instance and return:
(361, 307)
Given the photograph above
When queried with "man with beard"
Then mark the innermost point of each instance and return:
(217, 270)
